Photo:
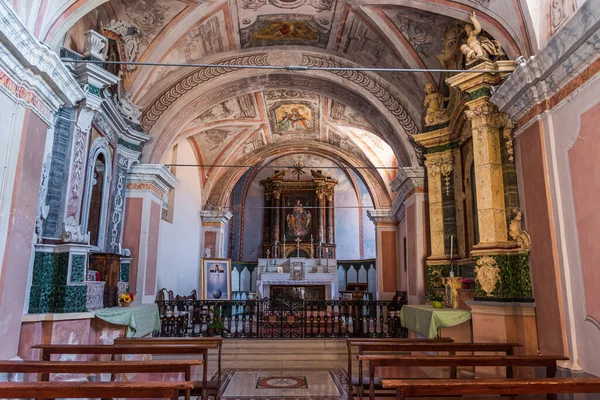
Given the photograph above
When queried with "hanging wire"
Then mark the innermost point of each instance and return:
(279, 166)
(275, 67)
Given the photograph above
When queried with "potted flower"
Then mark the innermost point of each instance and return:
(437, 299)
(466, 282)
(216, 325)
(126, 298)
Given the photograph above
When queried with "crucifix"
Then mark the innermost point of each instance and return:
(298, 247)
(268, 252)
(312, 251)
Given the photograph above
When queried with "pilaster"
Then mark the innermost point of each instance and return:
(388, 257)
(147, 189)
(214, 223)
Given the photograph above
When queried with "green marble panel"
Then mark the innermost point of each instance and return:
(515, 279)
(124, 272)
(78, 268)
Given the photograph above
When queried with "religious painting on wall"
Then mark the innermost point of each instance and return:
(216, 279)
(282, 29)
(299, 219)
(294, 117)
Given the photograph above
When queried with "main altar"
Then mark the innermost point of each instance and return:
(298, 243)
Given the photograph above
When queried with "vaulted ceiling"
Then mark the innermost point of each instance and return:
(227, 113)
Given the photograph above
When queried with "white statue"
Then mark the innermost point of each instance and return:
(478, 47)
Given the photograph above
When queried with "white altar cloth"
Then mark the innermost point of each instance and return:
(329, 280)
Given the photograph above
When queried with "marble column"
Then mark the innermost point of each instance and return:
(330, 224)
(147, 191)
(320, 216)
(388, 257)
(214, 223)
(276, 214)
(439, 167)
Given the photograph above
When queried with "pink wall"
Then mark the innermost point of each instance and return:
(585, 179)
(390, 261)
(152, 256)
(21, 222)
(411, 247)
(131, 236)
(543, 256)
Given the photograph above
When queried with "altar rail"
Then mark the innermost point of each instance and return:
(266, 318)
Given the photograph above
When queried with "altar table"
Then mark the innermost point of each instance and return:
(140, 319)
(426, 320)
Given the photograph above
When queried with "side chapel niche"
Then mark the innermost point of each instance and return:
(299, 213)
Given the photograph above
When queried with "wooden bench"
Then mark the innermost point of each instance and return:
(167, 349)
(208, 342)
(429, 345)
(100, 367)
(45, 390)
(387, 360)
(457, 387)
(361, 342)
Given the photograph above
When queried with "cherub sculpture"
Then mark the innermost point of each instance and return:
(478, 47)
(434, 101)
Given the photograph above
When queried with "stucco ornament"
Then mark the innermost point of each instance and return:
(487, 274)
(129, 33)
(479, 47)
(72, 232)
(129, 110)
(436, 113)
(518, 234)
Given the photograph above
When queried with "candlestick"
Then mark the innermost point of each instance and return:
(268, 252)
(284, 248)
(451, 245)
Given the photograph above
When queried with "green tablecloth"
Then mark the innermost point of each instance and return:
(426, 320)
(140, 319)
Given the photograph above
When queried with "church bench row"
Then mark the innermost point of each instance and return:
(387, 360)
(80, 390)
(457, 387)
(192, 346)
(362, 343)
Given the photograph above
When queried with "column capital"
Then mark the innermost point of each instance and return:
(221, 217)
(408, 179)
(153, 178)
(382, 217)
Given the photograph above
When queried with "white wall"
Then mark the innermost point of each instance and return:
(179, 242)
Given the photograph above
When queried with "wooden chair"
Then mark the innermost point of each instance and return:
(98, 367)
(80, 390)
(457, 387)
(387, 360)
(165, 349)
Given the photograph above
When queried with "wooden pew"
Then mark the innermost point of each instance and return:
(430, 345)
(28, 390)
(99, 367)
(171, 349)
(457, 387)
(359, 342)
(387, 360)
(187, 341)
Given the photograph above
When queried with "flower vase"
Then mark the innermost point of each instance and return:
(125, 303)
(437, 304)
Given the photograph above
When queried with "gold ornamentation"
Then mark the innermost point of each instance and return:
(444, 165)
(436, 113)
(518, 234)
(487, 274)
(452, 285)
(509, 143)
(436, 278)
(276, 194)
(479, 47)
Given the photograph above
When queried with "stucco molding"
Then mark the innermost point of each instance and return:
(408, 179)
(220, 217)
(572, 49)
(379, 217)
(31, 63)
(157, 175)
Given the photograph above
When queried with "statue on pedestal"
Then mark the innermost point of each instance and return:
(434, 101)
(479, 47)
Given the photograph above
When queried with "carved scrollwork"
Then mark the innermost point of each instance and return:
(487, 273)
(517, 233)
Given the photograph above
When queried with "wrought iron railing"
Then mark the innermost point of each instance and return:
(280, 319)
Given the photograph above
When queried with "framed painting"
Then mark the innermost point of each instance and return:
(216, 279)
(299, 217)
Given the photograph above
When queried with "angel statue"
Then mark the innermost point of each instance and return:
(434, 101)
(299, 220)
(478, 47)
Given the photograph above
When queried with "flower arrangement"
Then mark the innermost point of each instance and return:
(466, 282)
(126, 298)
(437, 299)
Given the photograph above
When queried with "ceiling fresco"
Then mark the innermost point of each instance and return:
(229, 114)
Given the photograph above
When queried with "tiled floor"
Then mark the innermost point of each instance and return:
(321, 385)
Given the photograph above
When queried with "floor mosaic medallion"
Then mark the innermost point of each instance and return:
(280, 382)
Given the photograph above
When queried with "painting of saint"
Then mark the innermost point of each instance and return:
(298, 222)
(294, 117)
(216, 279)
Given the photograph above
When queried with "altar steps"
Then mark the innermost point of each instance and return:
(282, 353)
